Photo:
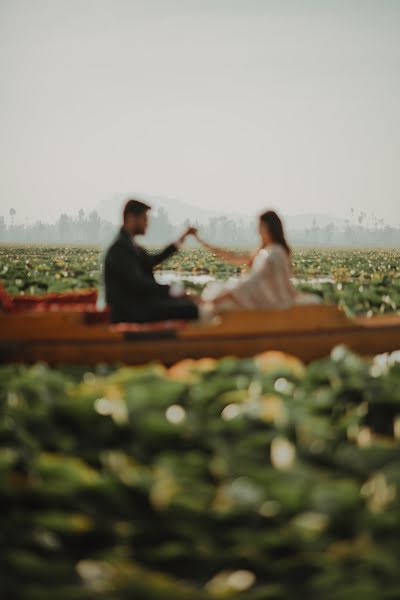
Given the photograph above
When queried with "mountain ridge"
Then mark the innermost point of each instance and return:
(180, 210)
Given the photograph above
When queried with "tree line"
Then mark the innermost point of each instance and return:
(89, 228)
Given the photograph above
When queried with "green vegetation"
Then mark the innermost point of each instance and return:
(40, 269)
(362, 281)
(257, 479)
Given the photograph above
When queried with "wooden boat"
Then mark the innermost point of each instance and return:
(308, 332)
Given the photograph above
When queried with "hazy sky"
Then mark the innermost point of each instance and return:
(229, 104)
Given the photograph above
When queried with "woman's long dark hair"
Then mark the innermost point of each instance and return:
(275, 228)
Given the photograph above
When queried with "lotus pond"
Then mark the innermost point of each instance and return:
(362, 281)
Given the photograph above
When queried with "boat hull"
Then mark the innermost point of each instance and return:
(306, 332)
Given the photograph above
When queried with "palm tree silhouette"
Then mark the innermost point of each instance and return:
(13, 212)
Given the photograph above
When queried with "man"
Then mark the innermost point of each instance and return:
(132, 292)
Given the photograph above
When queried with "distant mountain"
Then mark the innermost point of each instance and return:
(178, 211)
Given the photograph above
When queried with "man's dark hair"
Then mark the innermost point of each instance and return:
(135, 207)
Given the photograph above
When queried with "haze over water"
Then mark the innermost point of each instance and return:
(230, 105)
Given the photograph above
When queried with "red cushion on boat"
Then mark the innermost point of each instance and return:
(80, 296)
(5, 299)
(79, 300)
(83, 301)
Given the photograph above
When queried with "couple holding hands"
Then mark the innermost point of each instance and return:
(133, 294)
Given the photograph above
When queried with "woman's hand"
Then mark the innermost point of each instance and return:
(188, 231)
(199, 239)
(224, 297)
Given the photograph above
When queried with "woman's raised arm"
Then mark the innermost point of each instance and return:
(225, 254)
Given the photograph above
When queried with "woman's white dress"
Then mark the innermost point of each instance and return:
(268, 284)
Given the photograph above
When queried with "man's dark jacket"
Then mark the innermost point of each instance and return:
(132, 292)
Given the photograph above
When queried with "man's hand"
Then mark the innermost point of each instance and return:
(188, 231)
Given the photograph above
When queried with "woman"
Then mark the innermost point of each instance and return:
(268, 284)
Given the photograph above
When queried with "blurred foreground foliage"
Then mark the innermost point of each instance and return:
(258, 479)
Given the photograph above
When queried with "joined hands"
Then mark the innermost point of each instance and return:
(195, 233)
(188, 231)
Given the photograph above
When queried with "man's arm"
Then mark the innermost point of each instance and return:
(159, 257)
(128, 270)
